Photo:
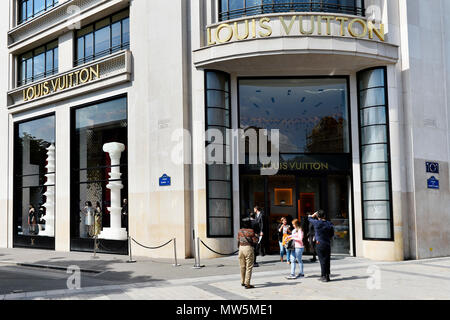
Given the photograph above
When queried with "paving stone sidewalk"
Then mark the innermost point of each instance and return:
(156, 279)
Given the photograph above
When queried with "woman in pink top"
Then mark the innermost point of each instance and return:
(297, 254)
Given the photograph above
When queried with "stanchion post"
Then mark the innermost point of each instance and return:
(197, 261)
(130, 256)
(95, 248)
(175, 252)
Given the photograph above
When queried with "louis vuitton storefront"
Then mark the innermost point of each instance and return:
(158, 120)
(314, 171)
(320, 75)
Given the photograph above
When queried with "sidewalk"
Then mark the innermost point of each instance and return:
(156, 279)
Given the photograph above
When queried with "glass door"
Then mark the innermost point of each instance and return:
(282, 203)
(338, 210)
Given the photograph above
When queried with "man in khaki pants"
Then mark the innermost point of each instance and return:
(246, 242)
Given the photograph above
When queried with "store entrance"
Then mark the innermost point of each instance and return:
(295, 196)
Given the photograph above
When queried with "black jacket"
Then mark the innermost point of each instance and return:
(280, 234)
(258, 223)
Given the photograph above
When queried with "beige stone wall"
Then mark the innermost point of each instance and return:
(432, 212)
(425, 66)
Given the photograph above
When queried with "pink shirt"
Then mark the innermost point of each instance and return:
(298, 238)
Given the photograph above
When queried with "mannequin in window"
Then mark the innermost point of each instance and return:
(32, 220)
(41, 215)
(98, 219)
(125, 214)
(88, 213)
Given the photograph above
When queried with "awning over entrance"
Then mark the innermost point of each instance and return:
(311, 55)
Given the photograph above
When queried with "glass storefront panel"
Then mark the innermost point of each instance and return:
(34, 183)
(377, 209)
(377, 229)
(338, 213)
(374, 134)
(376, 191)
(311, 114)
(375, 162)
(374, 78)
(375, 172)
(100, 175)
(295, 197)
(315, 157)
(371, 116)
(374, 153)
(372, 97)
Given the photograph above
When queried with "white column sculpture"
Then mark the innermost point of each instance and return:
(116, 232)
(50, 194)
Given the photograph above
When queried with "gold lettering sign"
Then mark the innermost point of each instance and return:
(295, 25)
(309, 166)
(62, 83)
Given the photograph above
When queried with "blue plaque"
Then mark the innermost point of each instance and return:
(165, 181)
(432, 167)
(433, 183)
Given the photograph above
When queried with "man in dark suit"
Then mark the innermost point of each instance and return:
(324, 233)
(258, 227)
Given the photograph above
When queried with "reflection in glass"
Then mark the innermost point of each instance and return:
(374, 153)
(311, 114)
(377, 209)
(376, 191)
(371, 116)
(38, 63)
(375, 172)
(103, 37)
(338, 212)
(96, 126)
(33, 8)
(374, 134)
(372, 97)
(377, 229)
(34, 171)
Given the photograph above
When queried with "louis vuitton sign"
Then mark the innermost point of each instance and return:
(295, 25)
(61, 83)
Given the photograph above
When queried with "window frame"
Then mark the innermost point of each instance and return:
(231, 199)
(78, 244)
(20, 7)
(20, 241)
(24, 81)
(388, 162)
(77, 61)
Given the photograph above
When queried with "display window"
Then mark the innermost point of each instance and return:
(34, 183)
(314, 168)
(99, 214)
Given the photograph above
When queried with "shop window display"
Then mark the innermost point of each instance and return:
(34, 183)
(99, 172)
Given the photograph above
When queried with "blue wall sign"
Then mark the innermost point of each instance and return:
(432, 167)
(433, 183)
(165, 181)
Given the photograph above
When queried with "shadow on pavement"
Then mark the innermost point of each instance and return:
(272, 284)
(349, 278)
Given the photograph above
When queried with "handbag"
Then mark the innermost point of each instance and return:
(289, 244)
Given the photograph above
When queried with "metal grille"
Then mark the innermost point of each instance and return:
(267, 6)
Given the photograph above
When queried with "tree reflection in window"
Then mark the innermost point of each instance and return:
(311, 114)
